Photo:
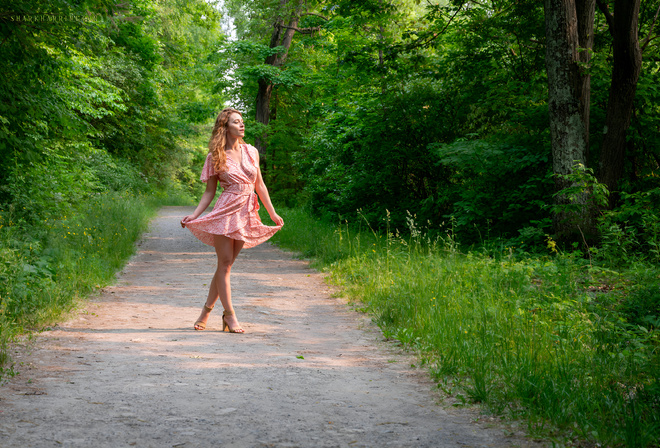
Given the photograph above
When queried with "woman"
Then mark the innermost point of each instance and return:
(234, 222)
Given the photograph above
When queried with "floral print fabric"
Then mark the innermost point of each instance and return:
(235, 213)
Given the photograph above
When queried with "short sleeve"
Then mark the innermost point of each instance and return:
(208, 170)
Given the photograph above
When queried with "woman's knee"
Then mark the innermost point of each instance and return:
(224, 248)
(224, 265)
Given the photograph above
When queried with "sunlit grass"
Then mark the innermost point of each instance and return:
(523, 335)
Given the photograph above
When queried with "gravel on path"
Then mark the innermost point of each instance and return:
(129, 370)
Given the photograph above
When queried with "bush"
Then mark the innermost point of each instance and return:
(633, 228)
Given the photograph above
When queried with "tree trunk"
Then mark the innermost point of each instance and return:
(627, 65)
(566, 87)
(263, 101)
(585, 11)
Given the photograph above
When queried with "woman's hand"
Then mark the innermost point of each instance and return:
(277, 219)
(186, 219)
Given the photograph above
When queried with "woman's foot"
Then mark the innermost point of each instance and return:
(203, 318)
(230, 322)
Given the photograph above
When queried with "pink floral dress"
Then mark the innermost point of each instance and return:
(235, 213)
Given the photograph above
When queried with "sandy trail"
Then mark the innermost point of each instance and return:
(309, 372)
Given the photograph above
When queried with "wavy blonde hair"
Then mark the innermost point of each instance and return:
(219, 139)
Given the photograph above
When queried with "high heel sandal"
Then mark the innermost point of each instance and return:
(201, 325)
(226, 325)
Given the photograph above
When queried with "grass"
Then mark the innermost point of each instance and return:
(549, 339)
(47, 268)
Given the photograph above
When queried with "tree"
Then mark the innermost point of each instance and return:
(627, 56)
(283, 31)
(569, 23)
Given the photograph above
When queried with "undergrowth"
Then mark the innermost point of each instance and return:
(46, 267)
(566, 343)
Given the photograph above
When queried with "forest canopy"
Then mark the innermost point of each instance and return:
(100, 96)
(368, 107)
(441, 109)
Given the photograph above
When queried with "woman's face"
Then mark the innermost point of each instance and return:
(235, 126)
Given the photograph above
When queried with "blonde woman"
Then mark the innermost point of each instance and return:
(234, 222)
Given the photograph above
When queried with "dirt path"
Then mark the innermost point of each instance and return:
(130, 371)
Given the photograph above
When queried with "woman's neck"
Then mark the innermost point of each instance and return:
(232, 143)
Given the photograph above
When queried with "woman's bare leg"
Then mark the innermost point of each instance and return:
(227, 250)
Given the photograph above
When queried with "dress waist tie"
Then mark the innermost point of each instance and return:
(244, 190)
(239, 189)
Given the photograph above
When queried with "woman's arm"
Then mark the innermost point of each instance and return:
(262, 191)
(207, 197)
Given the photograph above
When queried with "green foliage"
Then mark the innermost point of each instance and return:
(398, 115)
(583, 183)
(365, 159)
(642, 307)
(633, 229)
(76, 88)
(441, 110)
(260, 51)
(441, 107)
(495, 186)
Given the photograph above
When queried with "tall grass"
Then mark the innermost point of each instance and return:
(529, 337)
(45, 269)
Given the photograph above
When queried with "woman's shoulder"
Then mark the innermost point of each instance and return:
(208, 170)
(254, 152)
(209, 160)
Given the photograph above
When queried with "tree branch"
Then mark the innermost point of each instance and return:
(653, 38)
(313, 14)
(451, 19)
(608, 15)
(648, 36)
(308, 30)
(431, 36)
